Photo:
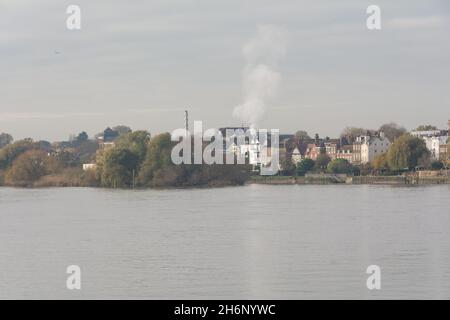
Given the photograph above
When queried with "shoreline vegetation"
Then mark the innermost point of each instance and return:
(355, 180)
(122, 158)
(76, 179)
(134, 161)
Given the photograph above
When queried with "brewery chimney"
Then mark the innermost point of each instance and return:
(186, 122)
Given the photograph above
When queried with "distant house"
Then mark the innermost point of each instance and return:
(242, 142)
(435, 145)
(313, 150)
(356, 153)
(331, 147)
(89, 166)
(428, 133)
(106, 140)
(296, 156)
(345, 152)
(372, 146)
(444, 155)
(436, 142)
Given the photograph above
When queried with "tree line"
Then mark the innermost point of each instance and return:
(135, 160)
(138, 159)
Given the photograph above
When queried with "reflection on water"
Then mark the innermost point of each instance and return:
(252, 242)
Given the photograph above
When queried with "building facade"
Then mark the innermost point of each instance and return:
(296, 156)
(373, 146)
(436, 145)
(345, 152)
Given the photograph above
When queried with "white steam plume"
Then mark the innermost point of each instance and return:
(260, 76)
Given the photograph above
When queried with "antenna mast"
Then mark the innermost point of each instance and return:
(186, 122)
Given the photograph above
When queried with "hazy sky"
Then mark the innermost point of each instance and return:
(141, 63)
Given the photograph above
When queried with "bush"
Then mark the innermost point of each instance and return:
(406, 152)
(119, 168)
(437, 165)
(30, 167)
(322, 162)
(304, 166)
(340, 166)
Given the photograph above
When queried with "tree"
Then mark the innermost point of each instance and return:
(83, 136)
(10, 152)
(301, 139)
(381, 163)
(302, 135)
(158, 156)
(406, 152)
(351, 133)
(110, 134)
(426, 127)
(322, 162)
(5, 139)
(121, 129)
(339, 166)
(136, 142)
(29, 167)
(86, 150)
(304, 166)
(287, 167)
(437, 165)
(118, 167)
(392, 130)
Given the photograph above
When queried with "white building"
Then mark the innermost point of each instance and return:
(428, 133)
(371, 147)
(251, 150)
(433, 145)
(434, 140)
(296, 156)
(89, 166)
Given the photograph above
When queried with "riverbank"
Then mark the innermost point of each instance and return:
(342, 179)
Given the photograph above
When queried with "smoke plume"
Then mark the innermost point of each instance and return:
(260, 77)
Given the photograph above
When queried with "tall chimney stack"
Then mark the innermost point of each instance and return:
(186, 122)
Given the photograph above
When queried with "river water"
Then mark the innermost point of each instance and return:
(251, 242)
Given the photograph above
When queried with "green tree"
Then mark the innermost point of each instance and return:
(406, 152)
(287, 167)
(426, 127)
(339, 166)
(5, 139)
(136, 142)
(304, 166)
(110, 134)
(121, 129)
(322, 162)
(83, 136)
(118, 168)
(437, 165)
(158, 156)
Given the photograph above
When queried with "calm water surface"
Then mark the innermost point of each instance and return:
(252, 242)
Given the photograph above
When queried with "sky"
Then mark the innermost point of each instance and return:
(142, 63)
